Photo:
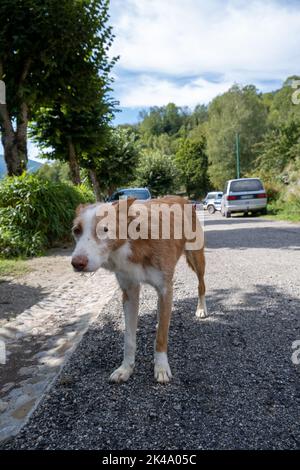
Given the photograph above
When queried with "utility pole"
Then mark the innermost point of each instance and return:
(237, 148)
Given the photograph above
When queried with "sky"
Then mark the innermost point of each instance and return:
(189, 51)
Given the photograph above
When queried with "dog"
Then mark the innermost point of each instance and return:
(150, 259)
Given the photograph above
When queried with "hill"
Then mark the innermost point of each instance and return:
(32, 166)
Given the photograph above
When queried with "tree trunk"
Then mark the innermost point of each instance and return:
(73, 164)
(96, 185)
(21, 134)
(15, 141)
(14, 162)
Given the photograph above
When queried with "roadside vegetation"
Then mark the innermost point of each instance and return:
(36, 213)
(12, 268)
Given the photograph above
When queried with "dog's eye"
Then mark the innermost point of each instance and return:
(77, 231)
(105, 229)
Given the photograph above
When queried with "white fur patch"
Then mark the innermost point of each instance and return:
(201, 311)
(134, 272)
(162, 371)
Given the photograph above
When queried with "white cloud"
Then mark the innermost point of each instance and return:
(149, 91)
(242, 41)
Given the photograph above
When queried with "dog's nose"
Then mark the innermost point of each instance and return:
(79, 262)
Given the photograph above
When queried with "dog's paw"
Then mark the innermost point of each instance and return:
(201, 312)
(121, 374)
(162, 371)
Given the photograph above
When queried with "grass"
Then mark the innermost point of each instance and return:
(286, 212)
(288, 216)
(12, 268)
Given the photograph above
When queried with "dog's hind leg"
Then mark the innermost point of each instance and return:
(162, 371)
(131, 309)
(196, 260)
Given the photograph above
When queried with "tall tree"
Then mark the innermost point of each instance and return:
(239, 110)
(191, 161)
(157, 172)
(114, 163)
(44, 44)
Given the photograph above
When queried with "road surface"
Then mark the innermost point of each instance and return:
(235, 385)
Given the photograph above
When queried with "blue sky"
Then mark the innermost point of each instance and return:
(188, 51)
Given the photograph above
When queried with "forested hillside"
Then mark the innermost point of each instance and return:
(197, 148)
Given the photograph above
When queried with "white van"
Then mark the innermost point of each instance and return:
(244, 195)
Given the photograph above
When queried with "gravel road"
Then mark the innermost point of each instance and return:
(235, 385)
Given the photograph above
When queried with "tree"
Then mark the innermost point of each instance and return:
(56, 172)
(241, 109)
(281, 107)
(158, 173)
(191, 161)
(279, 152)
(162, 120)
(115, 163)
(48, 48)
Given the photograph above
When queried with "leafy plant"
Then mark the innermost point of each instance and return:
(35, 213)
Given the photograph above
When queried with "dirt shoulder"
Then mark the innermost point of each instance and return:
(43, 316)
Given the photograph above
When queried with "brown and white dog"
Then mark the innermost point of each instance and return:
(148, 259)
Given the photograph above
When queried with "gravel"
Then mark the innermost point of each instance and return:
(235, 385)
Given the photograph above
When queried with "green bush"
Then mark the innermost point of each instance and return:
(158, 173)
(35, 213)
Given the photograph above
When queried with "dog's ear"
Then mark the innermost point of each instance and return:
(80, 208)
(129, 201)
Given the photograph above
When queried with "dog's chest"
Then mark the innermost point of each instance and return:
(127, 270)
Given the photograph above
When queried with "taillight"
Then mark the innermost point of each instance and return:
(231, 198)
(262, 195)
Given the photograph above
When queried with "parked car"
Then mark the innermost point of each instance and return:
(141, 194)
(244, 195)
(212, 202)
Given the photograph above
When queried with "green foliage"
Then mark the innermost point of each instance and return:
(35, 213)
(158, 173)
(191, 161)
(12, 267)
(116, 161)
(281, 106)
(162, 120)
(240, 110)
(54, 61)
(56, 172)
(279, 152)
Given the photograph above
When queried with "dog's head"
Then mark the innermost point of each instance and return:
(96, 230)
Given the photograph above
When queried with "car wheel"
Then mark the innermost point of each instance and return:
(227, 214)
(264, 211)
(211, 209)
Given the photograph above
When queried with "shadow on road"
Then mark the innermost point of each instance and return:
(253, 237)
(15, 298)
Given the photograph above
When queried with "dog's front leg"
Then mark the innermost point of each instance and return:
(131, 308)
(162, 371)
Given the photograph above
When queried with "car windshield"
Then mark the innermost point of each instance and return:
(214, 196)
(245, 185)
(136, 193)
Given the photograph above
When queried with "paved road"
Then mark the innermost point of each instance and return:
(235, 385)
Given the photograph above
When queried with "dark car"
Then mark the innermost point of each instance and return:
(141, 194)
